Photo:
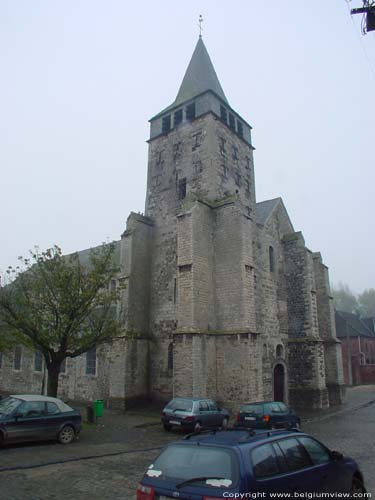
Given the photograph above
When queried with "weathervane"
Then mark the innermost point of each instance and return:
(200, 21)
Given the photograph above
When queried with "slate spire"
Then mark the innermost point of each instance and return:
(200, 76)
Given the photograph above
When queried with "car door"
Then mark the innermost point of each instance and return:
(54, 419)
(28, 422)
(285, 416)
(204, 414)
(330, 475)
(215, 415)
(276, 415)
(301, 474)
(266, 471)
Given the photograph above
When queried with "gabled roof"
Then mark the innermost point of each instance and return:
(264, 210)
(349, 324)
(370, 323)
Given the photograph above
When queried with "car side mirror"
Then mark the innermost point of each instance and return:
(17, 415)
(336, 455)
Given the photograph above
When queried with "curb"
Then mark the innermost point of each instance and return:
(12, 468)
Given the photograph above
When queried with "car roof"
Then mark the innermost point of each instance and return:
(261, 402)
(238, 437)
(191, 399)
(40, 398)
(34, 397)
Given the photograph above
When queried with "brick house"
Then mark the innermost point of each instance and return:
(357, 337)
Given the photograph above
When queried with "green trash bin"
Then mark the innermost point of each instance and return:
(98, 408)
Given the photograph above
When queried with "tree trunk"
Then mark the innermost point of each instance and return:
(53, 378)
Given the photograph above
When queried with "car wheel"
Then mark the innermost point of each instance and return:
(197, 427)
(66, 435)
(357, 487)
(224, 423)
(167, 427)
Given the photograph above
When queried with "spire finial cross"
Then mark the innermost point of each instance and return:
(200, 21)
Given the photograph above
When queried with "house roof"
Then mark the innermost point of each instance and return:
(370, 323)
(349, 324)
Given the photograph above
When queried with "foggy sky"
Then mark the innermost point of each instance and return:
(80, 79)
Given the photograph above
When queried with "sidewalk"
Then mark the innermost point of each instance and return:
(356, 397)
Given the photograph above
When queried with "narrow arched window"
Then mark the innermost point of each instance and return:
(279, 351)
(265, 352)
(91, 361)
(272, 259)
(38, 361)
(17, 361)
(170, 356)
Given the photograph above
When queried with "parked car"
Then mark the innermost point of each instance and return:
(267, 415)
(194, 414)
(225, 464)
(33, 417)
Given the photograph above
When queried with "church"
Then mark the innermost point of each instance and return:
(222, 298)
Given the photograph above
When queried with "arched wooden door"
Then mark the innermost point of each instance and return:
(279, 382)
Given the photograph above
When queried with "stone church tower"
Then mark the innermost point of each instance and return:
(233, 305)
(222, 297)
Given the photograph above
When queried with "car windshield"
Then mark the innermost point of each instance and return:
(180, 404)
(209, 465)
(8, 405)
(253, 409)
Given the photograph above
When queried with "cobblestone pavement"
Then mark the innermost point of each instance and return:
(115, 477)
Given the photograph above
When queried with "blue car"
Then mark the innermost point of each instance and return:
(267, 415)
(215, 465)
(33, 417)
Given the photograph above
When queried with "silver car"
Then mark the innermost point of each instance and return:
(193, 414)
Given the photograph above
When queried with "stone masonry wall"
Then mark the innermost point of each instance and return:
(136, 243)
(271, 296)
(305, 349)
(334, 377)
(20, 381)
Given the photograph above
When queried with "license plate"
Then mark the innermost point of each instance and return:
(174, 422)
(162, 497)
(249, 418)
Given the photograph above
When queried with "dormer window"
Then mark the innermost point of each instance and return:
(177, 117)
(232, 122)
(239, 128)
(223, 114)
(190, 111)
(166, 124)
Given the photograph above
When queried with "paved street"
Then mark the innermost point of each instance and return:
(116, 477)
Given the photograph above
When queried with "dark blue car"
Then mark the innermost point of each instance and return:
(33, 417)
(267, 415)
(223, 464)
